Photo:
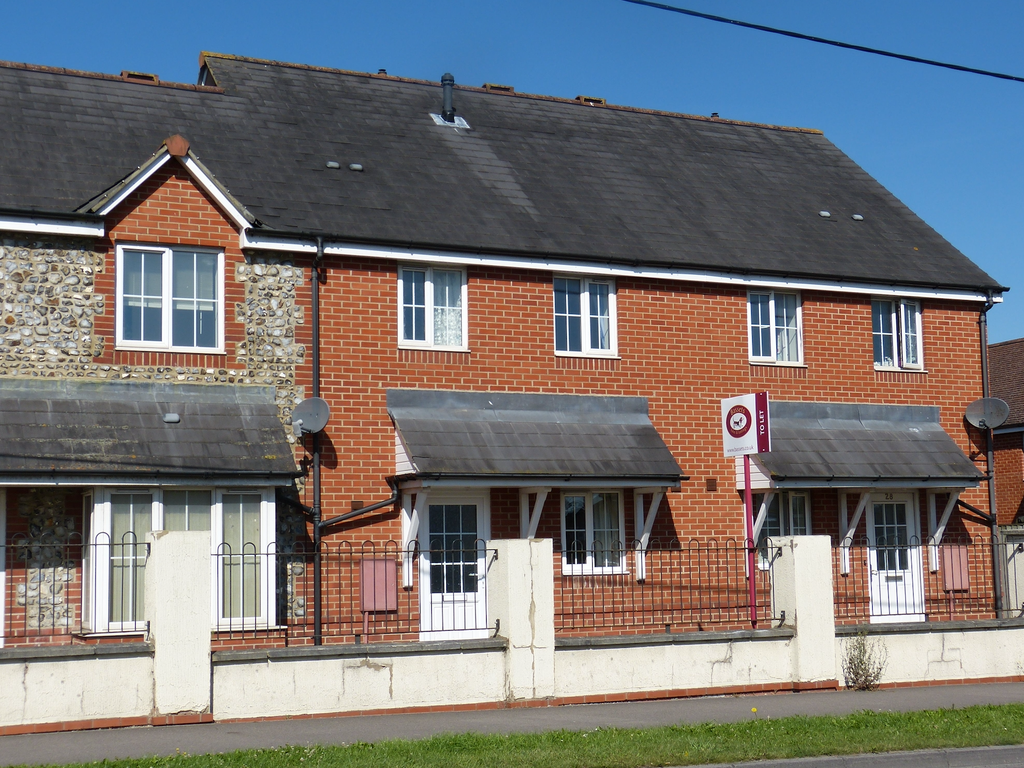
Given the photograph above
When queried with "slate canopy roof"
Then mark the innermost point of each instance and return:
(527, 439)
(531, 177)
(67, 431)
(845, 445)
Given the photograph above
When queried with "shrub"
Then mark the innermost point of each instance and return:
(864, 662)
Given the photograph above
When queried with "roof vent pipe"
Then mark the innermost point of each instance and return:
(447, 108)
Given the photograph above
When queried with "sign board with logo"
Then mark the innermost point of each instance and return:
(745, 427)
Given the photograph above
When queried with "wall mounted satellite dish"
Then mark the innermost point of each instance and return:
(987, 412)
(310, 416)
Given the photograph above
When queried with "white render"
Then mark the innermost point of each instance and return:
(348, 683)
(178, 597)
(67, 690)
(521, 596)
(803, 590)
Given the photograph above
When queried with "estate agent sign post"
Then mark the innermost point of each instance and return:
(745, 431)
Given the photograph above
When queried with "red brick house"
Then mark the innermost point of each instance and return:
(1006, 363)
(523, 312)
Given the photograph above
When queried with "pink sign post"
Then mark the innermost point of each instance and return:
(745, 430)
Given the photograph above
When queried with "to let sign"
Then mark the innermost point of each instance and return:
(745, 424)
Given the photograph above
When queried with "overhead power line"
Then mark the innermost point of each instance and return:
(826, 41)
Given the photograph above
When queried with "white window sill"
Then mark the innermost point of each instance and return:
(424, 348)
(116, 632)
(583, 570)
(593, 355)
(776, 363)
(891, 369)
(172, 350)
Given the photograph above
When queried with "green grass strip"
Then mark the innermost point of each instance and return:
(757, 739)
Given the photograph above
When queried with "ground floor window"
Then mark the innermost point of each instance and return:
(241, 526)
(593, 532)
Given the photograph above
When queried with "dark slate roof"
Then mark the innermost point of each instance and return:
(535, 176)
(105, 431)
(520, 437)
(1006, 377)
(850, 445)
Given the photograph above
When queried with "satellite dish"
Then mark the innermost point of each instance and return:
(987, 412)
(310, 415)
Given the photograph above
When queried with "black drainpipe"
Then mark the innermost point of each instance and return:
(997, 561)
(315, 279)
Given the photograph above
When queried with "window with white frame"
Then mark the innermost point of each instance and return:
(896, 333)
(593, 532)
(775, 329)
(170, 299)
(584, 316)
(788, 514)
(432, 307)
(241, 525)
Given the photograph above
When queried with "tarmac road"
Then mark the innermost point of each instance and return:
(87, 746)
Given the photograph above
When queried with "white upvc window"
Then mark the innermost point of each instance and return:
(788, 514)
(585, 317)
(432, 307)
(241, 525)
(775, 319)
(244, 573)
(896, 333)
(593, 532)
(170, 299)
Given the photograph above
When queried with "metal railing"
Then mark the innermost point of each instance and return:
(697, 585)
(372, 592)
(54, 589)
(914, 581)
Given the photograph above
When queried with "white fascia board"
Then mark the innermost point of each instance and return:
(45, 226)
(214, 191)
(252, 240)
(137, 182)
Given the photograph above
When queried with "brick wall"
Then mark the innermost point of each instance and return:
(1009, 459)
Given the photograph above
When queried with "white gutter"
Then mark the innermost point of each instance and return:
(43, 225)
(250, 239)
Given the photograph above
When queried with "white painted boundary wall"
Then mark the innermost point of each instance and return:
(175, 673)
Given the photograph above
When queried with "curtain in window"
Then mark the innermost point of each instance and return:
(600, 317)
(447, 308)
(131, 518)
(911, 311)
(241, 555)
(607, 537)
(787, 347)
(187, 510)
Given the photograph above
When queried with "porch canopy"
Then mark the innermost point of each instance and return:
(498, 439)
(140, 433)
(840, 445)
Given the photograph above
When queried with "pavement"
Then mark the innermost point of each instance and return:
(88, 746)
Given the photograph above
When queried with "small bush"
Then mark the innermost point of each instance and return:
(864, 662)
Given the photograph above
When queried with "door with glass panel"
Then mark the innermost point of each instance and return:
(131, 518)
(453, 602)
(894, 559)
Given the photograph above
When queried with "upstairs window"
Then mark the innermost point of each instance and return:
(432, 307)
(774, 321)
(169, 299)
(584, 316)
(896, 333)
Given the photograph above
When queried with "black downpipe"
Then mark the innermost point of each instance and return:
(997, 560)
(317, 511)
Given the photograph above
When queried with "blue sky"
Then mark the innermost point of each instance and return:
(948, 144)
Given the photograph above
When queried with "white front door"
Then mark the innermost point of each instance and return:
(453, 565)
(894, 558)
